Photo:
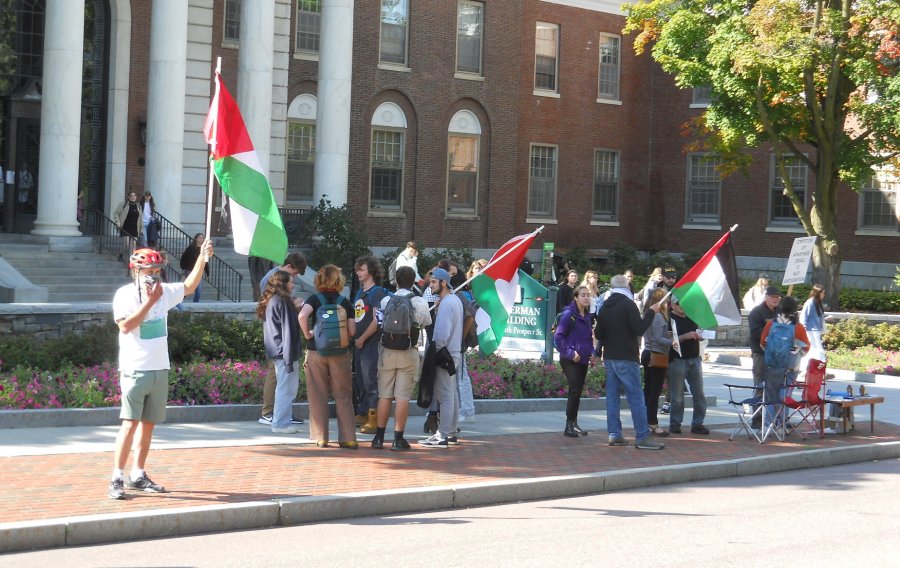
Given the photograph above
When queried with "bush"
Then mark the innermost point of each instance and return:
(341, 240)
(92, 347)
(855, 333)
(622, 257)
(856, 300)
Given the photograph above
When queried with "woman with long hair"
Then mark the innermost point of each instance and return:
(657, 339)
(328, 374)
(757, 293)
(566, 293)
(574, 339)
(812, 316)
(592, 282)
(281, 336)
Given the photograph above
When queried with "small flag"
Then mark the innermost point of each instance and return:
(708, 292)
(255, 221)
(494, 289)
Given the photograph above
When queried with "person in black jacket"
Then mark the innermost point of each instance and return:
(619, 329)
(566, 293)
(189, 258)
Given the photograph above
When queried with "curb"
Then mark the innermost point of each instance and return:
(98, 529)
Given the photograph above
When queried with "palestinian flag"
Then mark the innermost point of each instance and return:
(708, 292)
(494, 289)
(255, 221)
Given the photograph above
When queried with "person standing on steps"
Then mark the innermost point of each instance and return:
(574, 341)
(139, 310)
(128, 218)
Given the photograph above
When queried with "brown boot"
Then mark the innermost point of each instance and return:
(371, 425)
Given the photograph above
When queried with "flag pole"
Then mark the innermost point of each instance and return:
(210, 200)
(502, 256)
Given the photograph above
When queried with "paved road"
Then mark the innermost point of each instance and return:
(839, 516)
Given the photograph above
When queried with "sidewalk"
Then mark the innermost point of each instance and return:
(238, 475)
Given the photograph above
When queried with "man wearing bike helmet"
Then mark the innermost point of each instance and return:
(140, 310)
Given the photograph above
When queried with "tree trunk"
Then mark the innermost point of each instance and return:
(827, 272)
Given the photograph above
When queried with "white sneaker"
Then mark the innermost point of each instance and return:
(287, 430)
(435, 441)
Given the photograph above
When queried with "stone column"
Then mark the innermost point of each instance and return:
(333, 107)
(254, 94)
(165, 105)
(60, 119)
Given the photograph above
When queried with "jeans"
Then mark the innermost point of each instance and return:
(625, 375)
(690, 369)
(366, 379)
(776, 379)
(466, 398)
(575, 374)
(286, 386)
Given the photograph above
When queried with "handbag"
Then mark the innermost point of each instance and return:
(659, 360)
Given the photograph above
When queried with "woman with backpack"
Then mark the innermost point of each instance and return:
(326, 320)
(785, 341)
(281, 336)
(574, 339)
(655, 358)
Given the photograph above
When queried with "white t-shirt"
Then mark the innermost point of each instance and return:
(146, 348)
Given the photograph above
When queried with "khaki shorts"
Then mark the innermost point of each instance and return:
(144, 395)
(397, 372)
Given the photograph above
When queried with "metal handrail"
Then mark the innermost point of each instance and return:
(106, 237)
(222, 276)
(294, 219)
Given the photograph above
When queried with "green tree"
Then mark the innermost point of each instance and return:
(816, 79)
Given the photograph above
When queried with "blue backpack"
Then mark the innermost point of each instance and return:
(779, 346)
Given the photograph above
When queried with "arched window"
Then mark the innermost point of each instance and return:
(301, 150)
(387, 157)
(463, 148)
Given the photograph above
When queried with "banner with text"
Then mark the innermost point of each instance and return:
(525, 328)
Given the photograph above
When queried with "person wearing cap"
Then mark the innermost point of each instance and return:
(686, 365)
(670, 275)
(448, 328)
(140, 309)
(757, 293)
(758, 318)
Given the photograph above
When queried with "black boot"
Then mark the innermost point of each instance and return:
(570, 429)
(431, 422)
(578, 429)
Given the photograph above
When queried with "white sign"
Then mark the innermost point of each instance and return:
(798, 263)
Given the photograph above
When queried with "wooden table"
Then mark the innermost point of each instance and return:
(847, 405)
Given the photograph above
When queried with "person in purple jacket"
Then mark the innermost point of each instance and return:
(574, 341)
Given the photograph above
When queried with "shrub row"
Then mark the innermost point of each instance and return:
(854, 333)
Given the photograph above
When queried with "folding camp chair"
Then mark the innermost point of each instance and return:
(804, 399)
(749, 403)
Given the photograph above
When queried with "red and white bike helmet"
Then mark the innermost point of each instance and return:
(146, 258)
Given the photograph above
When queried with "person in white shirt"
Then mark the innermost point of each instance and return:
(140, 310)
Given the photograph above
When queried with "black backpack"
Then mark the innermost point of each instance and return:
(398, 328)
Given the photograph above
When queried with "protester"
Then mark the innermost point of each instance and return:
(619, 326)
(397, 366)
(757, 319)
(653, 281)
(281, 336)
(328, 374)
(757, 293)
(366, 341)
(258, 268)
(128, 218)
(140, 311)
(189, 259)
(657, 340)
(813, 319)
(781, 371)
(574, 341)
(566, 293)
(686, 365)
(148, 207)
(591, 281)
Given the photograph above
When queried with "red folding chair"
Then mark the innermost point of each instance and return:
(810, 406)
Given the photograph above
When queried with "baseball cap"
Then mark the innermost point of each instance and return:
(670, 272)
(441, 274)
(772, 291)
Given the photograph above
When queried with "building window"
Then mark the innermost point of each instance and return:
(880, 198)
(394, 26)
(463, 147)
(232, 33)
(782, 210)
(703, 189)
(309, 20)
(609, 67)
(606, 185)
(546, 57)
(387, 168)
(542, 182)
(469, 30)
(301, 162)
(701, 96)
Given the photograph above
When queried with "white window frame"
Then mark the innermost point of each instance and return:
(701, 97)
(466, 74)
(886, 182)
(775, 181)
(304, 53)
(545, 91)
(388, 117)
(229, 41)
(602, 45)
(464, 124)
(393, 65)
(607, 216)
(535, 215)
(692, 185)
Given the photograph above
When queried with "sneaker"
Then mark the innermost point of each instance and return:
(649, 443)
(117, 489)
(286, 430)
(400, 445)
(265, 419)
(144, 483)
(452, 440)
(617, 441)
(435, 441)
(665, 408)
(296, 421)
(701, 429)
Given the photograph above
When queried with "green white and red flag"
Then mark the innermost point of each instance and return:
(494, 289)
(256, 224)
(708, 292)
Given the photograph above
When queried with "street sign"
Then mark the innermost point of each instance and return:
(798, 262)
